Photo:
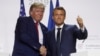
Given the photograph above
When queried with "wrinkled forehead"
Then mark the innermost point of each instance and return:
(38, 9)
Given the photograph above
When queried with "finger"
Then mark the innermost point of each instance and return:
(78, 16)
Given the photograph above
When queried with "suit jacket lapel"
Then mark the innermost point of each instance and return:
(53, 33)
(43, 28)
(32, 28)
(53, 37)
(63, 32)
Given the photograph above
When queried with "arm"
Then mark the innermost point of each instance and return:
(83, 31)
(79, 33)
(47, 43)
(22, 35)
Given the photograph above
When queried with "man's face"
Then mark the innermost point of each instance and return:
(59, 17)
(37, 13)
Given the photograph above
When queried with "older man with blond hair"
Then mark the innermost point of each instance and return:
(30, 33)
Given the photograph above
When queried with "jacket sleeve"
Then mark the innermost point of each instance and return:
(47, 44)
(78, 33)
(22, 35)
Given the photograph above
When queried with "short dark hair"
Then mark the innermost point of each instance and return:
(59, 8)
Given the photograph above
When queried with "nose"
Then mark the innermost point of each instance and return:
(40, 13)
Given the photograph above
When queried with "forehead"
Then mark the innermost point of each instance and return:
(58, 11)
(37, 8)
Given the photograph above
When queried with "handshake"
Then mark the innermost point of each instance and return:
(43, 50)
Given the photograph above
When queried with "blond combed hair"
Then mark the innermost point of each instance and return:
(37, 5)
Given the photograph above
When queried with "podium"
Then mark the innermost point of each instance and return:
(4, 54)
(81, 53)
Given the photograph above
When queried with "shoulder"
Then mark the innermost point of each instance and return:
(43, 26)
(69, 25)
(23, 18)
(51, 31)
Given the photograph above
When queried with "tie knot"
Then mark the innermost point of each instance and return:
(36, 23)
(58, 29)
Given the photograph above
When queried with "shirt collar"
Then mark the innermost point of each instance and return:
(61, 26)
(35, 21)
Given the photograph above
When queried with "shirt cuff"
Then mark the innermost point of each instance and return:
(82, 29)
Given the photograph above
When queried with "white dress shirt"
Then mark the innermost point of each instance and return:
(40, 33)
(57, 30)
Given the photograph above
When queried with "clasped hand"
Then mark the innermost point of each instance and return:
(43, 50)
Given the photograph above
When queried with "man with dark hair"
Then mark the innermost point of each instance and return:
(30, 33)
(61, 41)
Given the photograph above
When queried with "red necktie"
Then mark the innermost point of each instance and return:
(36, 24)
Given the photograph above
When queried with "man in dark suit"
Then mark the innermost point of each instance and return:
(61, 41)
(30, 33)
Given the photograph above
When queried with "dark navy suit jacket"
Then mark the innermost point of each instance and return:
(68, 40)
(26, 38)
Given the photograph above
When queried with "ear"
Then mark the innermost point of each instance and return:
(30, 13)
